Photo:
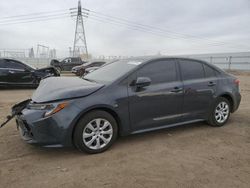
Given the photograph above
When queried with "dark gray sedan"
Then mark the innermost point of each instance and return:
(127, 97)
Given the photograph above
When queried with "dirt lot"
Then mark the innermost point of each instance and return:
(194, 155)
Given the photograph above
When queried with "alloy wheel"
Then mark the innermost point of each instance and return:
(221, 112)
(97, 133)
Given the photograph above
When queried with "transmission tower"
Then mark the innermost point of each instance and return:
(80, 45)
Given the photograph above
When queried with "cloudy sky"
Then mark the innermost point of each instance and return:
(173, 26)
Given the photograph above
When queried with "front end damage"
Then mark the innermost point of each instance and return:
(16, 110)
(48, 118)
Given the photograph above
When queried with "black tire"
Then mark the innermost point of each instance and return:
(59, 69)
(81, 126)
(212, 116)
(81, 72)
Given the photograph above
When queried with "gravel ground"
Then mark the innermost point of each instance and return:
(194, 155)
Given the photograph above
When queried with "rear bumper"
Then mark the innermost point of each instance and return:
(237, 100)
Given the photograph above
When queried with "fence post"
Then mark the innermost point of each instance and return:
(229, 62)
(211, 59)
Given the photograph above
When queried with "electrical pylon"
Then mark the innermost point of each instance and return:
(80, 45)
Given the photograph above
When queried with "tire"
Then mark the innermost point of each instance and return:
(81, 72)
(59, 69)
(87, 135)
(220, 112)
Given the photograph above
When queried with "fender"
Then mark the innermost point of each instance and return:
(109, 108)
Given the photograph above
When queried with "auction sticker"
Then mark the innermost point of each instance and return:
(134, 63)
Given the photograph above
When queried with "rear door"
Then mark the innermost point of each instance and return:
(66, 64)
(69, 63)
(158, 104)
(199, 88)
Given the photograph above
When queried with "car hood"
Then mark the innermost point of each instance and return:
(61, 88)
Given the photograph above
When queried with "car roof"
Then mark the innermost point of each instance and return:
(145, 59)
(9, 59)
(151, 58)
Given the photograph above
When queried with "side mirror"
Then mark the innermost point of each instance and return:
(142, 82)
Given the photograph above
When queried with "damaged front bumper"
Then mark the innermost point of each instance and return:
(41, 132)
(35, 128)
(15, 110)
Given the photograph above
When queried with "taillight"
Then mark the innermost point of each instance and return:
(237, 81)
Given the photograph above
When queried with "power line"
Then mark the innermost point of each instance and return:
(35, 20)
(138, 28)
(179, 35)
(30, 14)
(32, 18)
(94, 15)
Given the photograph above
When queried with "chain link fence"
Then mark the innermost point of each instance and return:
(227, 62)
(233, 61)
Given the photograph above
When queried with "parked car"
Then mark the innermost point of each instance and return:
(14, 73)
(80, 70)
(127, 97)
(66, 64)
(90, 69)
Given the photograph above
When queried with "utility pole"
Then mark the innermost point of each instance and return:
(80, 45)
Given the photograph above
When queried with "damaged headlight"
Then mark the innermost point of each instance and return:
(50, 108)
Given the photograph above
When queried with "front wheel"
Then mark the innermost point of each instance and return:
(220, 112)
(95, 132)
(59, 69)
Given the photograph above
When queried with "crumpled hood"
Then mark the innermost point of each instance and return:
(60, 88)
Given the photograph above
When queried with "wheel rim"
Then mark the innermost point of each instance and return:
(97, 134)
(221, 112)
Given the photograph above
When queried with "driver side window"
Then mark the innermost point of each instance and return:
(162, 71)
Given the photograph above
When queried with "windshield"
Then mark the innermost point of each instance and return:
(113, 71)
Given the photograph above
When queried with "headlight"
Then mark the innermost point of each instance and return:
(50, 108)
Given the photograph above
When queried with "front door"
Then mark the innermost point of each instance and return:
(160, 103)
(18, 74)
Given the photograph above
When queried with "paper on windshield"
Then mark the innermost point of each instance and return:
(134, 63)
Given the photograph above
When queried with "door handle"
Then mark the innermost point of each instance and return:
(176, 90)
(11, 72)
(211, 83)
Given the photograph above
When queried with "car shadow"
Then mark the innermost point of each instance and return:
(122, 142)
(166, 131)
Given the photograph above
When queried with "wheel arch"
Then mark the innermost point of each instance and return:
(105, 108)
(229, 97)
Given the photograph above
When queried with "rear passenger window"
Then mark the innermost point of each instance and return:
(209, 72)
(159, 71)
(191, 69)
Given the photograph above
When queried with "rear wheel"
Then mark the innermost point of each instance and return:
(95, 132)
(220, 112)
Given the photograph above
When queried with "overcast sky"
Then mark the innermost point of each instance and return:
(227, 21)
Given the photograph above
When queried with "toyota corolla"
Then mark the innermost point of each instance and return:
(126, 97)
